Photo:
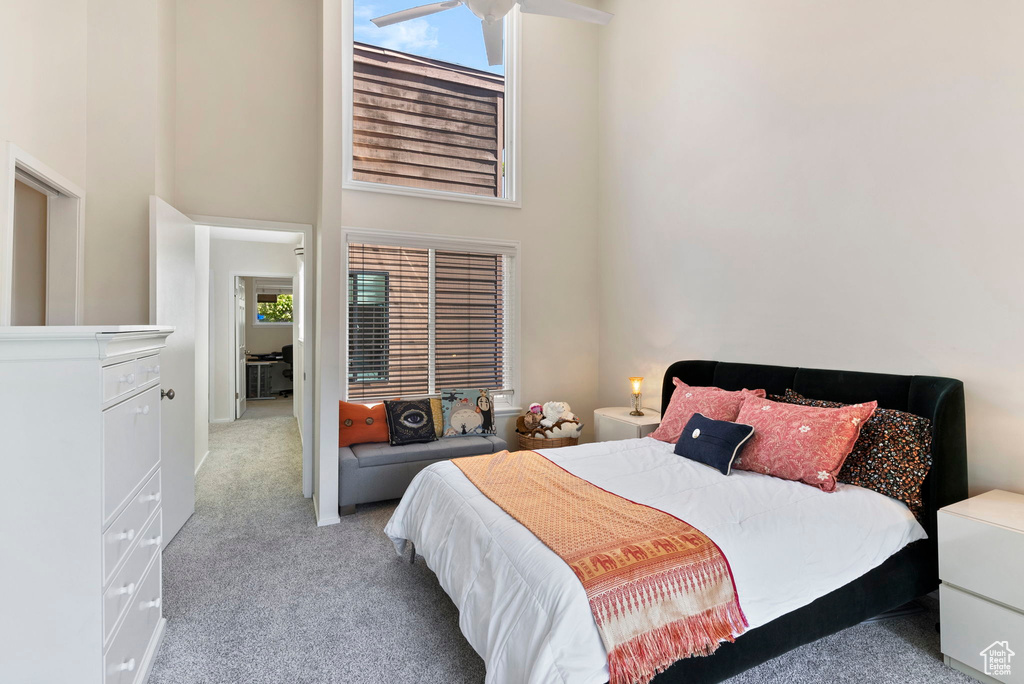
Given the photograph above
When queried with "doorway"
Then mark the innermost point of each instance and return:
(260, 340)
(41, 248)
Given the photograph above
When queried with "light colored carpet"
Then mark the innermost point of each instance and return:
(254, 592)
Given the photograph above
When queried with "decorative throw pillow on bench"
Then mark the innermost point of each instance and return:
(711, 402)
(714, 443)
(892, 456)
(361, 424)
(468, 412)
(802, 443)
(410, 422)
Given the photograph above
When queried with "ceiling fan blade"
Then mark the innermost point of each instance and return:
(565, 10)
(494, 39)
(415, 13)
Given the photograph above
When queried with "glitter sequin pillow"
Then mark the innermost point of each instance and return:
(801, 443)
(892, 456)
(711, 402)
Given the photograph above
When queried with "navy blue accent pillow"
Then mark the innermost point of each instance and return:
(715, 443)
(409, 422)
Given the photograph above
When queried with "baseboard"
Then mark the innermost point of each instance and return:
(222, 420)
(299, 424)
(201, 462)
(154, 646)
(327, 520)
(968, 670)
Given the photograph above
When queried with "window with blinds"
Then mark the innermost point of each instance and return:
(422, 320)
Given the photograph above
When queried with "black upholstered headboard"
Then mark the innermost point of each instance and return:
(939, 399)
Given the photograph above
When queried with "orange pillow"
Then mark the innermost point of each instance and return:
(361, 424)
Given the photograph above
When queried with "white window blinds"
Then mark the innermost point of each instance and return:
(421, 320)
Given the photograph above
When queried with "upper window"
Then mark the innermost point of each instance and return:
(425, 319)
(273, 302)
(428, 113)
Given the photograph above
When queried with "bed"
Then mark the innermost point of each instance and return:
(858, 553)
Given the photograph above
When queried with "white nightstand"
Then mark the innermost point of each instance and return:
(616, 423)
(981, 598)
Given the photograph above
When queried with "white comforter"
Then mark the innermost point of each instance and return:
(526, 614)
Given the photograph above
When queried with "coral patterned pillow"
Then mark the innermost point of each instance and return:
(801, 443)
(892, 456)
(711, 402)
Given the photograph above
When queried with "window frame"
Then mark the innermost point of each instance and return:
(513, 117)
(505, 404)
(256, 322)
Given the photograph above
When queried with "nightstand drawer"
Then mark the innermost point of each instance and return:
(972, 625)
(982, 558)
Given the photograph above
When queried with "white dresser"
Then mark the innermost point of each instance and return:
(615, 423)
(80, 508)
(981, 598)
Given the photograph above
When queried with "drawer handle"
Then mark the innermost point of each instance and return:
(127, 666)
(127, 379)
(151, 497)
(147, 605)
(153, 370)
(125, 536)
(152, 541)
(128, 589)
(142, 410)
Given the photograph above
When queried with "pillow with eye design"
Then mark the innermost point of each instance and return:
(715, 443)
(410, 422)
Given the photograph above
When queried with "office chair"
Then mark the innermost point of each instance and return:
(286, 356)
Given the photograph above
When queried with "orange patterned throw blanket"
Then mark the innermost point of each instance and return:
(659, 588)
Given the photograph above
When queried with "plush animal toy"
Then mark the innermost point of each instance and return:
(530, 425)
(565, 428)
(536, 408)
(555, 411)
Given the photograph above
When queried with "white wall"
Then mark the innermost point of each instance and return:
(821, 184)
(557, 223)
(246, 109)
(262, 339)
(229, 258)
(129, 140)
(43, 48)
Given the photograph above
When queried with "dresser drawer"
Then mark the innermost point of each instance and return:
(121, 534)
(118, 380)
(982, 558)
(124, 657)
(131, 447)
(970, 625)
(126, 583)
(147, 370)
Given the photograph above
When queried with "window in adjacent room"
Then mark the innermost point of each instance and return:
(273, 302)
(423, 319)
(426, 113)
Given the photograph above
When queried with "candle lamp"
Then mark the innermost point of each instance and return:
(635, 384)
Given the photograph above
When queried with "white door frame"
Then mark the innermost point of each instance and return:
(308, 317)
(241, 389)
(65, 240)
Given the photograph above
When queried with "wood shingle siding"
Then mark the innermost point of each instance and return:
(427, 124)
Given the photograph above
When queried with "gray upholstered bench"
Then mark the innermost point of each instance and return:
(378, 472)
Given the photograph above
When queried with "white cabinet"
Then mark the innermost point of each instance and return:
(615, 423)
(981, 599)
(80, 504)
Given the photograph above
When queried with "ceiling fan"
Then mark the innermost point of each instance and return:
(492, 17)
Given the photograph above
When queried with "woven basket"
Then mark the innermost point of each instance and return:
(532, 443)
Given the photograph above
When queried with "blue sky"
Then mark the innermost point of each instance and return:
(453, 36)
